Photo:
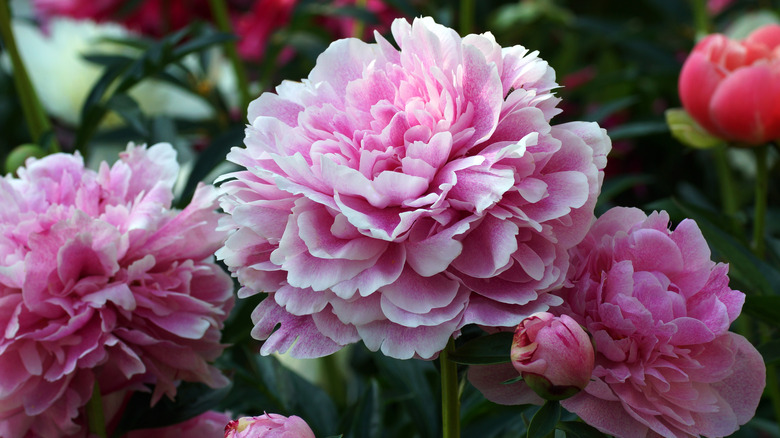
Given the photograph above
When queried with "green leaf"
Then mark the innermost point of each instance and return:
(766, 308)
(485, 350)
(607, 109)
(192, 399)
(615, 185)
(687, 131)
(579, 429)
(637, 129)
(108, 60)
(770, 351)
(409, 381)
(127, 108)
(200, 43)
(365, 418)
(544, 420)
(292, 394)
(213, 155)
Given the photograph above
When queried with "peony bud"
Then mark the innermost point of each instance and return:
(731, 88)
(268, 426)
(553, 354)
(20, 154)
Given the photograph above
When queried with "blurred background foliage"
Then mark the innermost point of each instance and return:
(617, 63)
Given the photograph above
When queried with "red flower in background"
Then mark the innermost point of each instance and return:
(256, 26)
(150, 17)
(254, 21)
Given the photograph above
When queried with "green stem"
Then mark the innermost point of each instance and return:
(220, 12)
(333, 378)
(759, 216)
(450, 393)
(725, 181)
(701, 18)
(97, 423)
(773, 388)
(37, 122)
(466, 16)
(759, 247)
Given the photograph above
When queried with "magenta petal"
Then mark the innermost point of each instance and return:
(745, 104)
(417, 294)
(298, 334)
(698, 81)
(488, 248)
(743, 388)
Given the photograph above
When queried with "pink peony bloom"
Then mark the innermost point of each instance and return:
(396, 195)
(659, 311)
(210, 424)
(731, 88)
(553, 354)
(100, 280)
(268, 426)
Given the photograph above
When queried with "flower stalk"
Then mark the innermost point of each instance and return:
(701, 18)
(450, 393)
(95, 417)
(759, 212)
(220, 12)
(725, 181)
(466, 16)
(37, 121)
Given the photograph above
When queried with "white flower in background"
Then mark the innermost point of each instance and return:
(63, 78)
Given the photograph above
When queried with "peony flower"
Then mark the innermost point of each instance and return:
(395, 196)
(731, 88)
(63, 79)
(268, 426)
(659, 311)
(101, 281)
(553, 354)
(209, 424)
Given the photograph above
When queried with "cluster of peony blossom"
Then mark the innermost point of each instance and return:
(397, 195)
(393, 197)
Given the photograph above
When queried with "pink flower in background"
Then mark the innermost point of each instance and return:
(395, 196)
(210, 424)
(96, 10)
(100, 280)
(345, 27)
(268, 426)
(659, 311)
(717, 6)
(553, 354)
(731, 88)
